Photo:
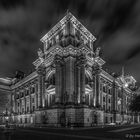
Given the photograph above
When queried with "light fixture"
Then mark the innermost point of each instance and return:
(126, 85)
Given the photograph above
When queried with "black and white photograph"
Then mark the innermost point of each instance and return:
(69, 69)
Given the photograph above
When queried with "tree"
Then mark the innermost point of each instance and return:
(135, 104)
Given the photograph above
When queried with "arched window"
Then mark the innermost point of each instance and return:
(86, 80)
(52, 79)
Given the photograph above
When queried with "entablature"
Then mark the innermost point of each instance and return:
(25, 80)
(107, 76)
(76, 24)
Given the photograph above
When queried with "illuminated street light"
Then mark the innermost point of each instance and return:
(126, 85)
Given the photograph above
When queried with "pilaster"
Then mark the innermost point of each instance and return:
(30, 104)
(81, 63)
(36, 96)
(58, 78)
(96, 73)
(78, 83)
(24, 101)
(41, 85)
(70, 78)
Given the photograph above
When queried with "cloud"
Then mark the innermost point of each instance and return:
(114, 23)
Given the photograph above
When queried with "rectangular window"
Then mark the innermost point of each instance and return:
(27, 92)
(119, 93)
(109, 90)
(103, 98)
(22, 110)
(109, 108)
(27, 109)
(33, 108)
(103, 107)
(109, 100)
(33, 100)
(104, 88)
(25, 120)
(17, 96)
(32, 89)
(106, 120)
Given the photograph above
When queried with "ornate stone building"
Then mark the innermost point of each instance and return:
(69, 85)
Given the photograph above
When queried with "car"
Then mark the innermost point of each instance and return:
(112, 124)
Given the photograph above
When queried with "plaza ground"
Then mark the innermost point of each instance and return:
(100, 133)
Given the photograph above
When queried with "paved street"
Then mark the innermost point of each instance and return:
(105, 133)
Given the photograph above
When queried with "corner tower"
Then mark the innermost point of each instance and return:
(68, 54)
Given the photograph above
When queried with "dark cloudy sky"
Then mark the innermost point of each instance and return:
(115, 24)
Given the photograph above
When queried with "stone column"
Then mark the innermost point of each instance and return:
(96, 72)
(58, 78)
(46, 97)
(122, 103)
(24, 102)
(12, 101)
(94, 89)
(15, 99)
(36, 96)
(82, 86)
(78, 84)
(41, 85)
(70, 78)
(63, 96)
(82, 78)
(114, 101)
(107, 98)
(20, 105)
(30, 104)
(93, 93)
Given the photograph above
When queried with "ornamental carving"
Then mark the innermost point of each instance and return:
(58, 60)
(40, 53)
(96, 69)
(97, 52)
(41, 71)
(81, 60)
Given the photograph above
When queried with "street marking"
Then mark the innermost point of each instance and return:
(124, 129)
(68, 135)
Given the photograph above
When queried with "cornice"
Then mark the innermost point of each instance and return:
(5, 88)
(25, 80)
(107, 75)
(60, 25)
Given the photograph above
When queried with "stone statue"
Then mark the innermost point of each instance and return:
(40, 53)
(97, 52)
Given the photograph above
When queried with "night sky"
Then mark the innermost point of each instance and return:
(115, 24)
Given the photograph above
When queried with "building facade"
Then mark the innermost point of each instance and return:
(69, 85)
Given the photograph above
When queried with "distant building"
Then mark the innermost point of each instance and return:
(69, 86)
(5, 97)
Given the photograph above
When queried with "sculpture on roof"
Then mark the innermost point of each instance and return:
(97, 52)
(40, 53)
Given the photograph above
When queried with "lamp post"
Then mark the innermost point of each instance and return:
(6, 116)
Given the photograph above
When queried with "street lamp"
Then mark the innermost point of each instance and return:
(6, 117)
